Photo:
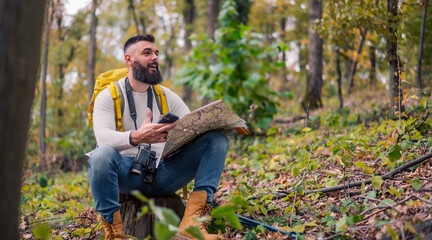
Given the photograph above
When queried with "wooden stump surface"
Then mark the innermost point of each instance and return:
(130, 206)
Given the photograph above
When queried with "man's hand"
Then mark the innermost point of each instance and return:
(150, 132)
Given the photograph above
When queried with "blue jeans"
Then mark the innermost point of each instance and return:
(202, 160)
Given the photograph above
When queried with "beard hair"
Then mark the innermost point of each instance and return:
(143, 75)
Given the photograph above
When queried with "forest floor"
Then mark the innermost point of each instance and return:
(272, 177)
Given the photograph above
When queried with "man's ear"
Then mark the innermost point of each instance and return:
(128, 59)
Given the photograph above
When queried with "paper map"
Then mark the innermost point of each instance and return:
(214, 116)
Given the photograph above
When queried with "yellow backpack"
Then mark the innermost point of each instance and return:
(110, 79)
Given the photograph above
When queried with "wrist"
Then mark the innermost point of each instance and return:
(131, 141)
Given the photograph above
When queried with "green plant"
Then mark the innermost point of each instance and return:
(235, 66)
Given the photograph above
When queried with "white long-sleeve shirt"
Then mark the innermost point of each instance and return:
(104, 118)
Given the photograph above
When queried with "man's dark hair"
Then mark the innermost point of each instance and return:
(138, 38)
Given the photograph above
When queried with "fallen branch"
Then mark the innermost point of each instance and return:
(388, 175)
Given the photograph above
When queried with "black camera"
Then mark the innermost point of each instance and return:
(145, 159)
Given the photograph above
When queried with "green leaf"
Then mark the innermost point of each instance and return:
(341, 225)
(251, 235)
(388, 201)
(223, 211)
(377, 182)
(234, 221)
(395, 152)
(263, 210)
(416, 184)
(360, 164)
(164, 215)
(363, 187)
(296, 171)
(79, 232)
(195, 231)
(162, 231)
(394, 192)
(429, 142)
(299, 228)
(42, 231)
(423, 102)
(139, 196)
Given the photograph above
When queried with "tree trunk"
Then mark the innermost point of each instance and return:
(339, 79)
(134, 16)
(243, 9)
(212, 14)
(58, 83)
(420, 55)
(189, 16)
(393, 58)
(142, 20)
(42, 145)
(355, 62)
(20, 44)
(284, 73)
(142, 228)
(372, 60)
(312, 99)
(92, 50)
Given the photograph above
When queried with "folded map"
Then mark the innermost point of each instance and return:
(214, 116)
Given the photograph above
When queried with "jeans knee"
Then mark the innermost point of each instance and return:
(101, 157)
(218, 140)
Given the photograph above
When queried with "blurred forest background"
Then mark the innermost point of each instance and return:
(282, 65)
(265, 58)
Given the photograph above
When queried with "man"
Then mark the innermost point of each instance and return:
(110, 164)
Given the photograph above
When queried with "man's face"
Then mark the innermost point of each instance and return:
(143, 56)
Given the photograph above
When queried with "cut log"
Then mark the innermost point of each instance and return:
(142, 228)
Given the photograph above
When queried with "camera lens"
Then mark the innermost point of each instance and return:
(136, 169)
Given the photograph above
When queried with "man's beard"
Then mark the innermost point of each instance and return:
(143, 75)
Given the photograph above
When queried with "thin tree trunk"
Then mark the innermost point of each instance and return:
(20, 45)
(134, 16)
(189, 16)
(420, 55)
(212, 14)
(372, 60)
(92, 50)
(393, 58)
(142, 20)
(284, 73)
(243, 9)
(60, 80)
(339, 79)
(312, 98)
(355, 62)
(42, 145)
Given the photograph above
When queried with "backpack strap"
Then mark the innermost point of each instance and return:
(161, 99)
(121, 97)
(115, 93)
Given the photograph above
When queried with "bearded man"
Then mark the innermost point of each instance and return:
(110, 164)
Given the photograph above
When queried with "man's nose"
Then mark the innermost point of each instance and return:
(155, 57)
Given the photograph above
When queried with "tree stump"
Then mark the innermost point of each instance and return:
(130, 206)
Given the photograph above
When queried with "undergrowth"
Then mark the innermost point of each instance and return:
(271, 178)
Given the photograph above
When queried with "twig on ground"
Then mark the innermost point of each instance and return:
(368, 181)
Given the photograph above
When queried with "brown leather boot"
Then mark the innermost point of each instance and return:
(114, 230)
(195, 208)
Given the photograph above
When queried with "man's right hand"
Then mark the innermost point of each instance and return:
(150, 133)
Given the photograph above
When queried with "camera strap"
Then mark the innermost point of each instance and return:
(131, 102)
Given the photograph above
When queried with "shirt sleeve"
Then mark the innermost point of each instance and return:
(104, 126)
